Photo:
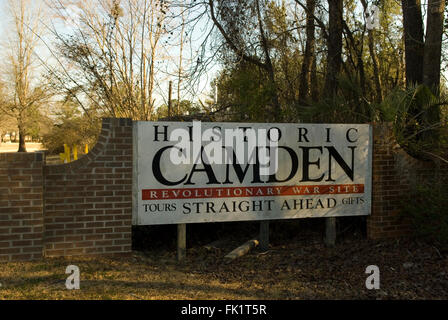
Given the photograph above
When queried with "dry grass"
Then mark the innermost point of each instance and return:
(295, 271)
(137, 277)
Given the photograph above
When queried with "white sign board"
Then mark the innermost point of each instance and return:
(188, 172)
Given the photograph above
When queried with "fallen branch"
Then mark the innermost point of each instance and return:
(241, 250)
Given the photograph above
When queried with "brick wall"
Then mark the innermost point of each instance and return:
(394, 174)
(80, 208)
(85, 207)
(21, 206)
(88, 202)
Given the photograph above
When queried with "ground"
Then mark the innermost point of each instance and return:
(30, 147)
(299, 269)
(13, 147)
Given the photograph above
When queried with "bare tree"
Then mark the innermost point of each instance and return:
(7, 123)
(112, 52)
(181, 49)
(23, 96)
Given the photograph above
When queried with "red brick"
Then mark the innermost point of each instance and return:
(86, 202)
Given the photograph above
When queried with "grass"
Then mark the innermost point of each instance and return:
(296, 270)
(138, 277)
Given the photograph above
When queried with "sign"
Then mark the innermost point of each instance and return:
(188, 172)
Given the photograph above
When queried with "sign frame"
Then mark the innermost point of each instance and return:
(263, 216)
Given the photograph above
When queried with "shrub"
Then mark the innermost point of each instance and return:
(348, 105)
(427, 208)
(420, 121)
(72, 129)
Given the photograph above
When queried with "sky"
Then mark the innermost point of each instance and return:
(165, 66)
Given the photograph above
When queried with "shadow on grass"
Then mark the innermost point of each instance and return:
(147, 289)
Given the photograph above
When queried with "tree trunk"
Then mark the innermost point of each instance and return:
(305, 74)
(413, 41)
(276, 112)
(431, 60)
(334, 60)
(375, 63)
(22, 147)
(314, 83)
(358, 49)
(433, 45)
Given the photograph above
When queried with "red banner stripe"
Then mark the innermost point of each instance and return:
(245, 192)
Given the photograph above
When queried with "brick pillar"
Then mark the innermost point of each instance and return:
(390, 185)
(21, 206)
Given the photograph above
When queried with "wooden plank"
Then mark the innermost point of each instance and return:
(181, 242)
(241, 250)
(330, 231)
(264, 235)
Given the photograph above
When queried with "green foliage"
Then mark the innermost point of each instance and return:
(420, 126)
(247, 91)
(427, 208)
(36, 122)
(185, 107)
(348, 105)
(420, 120)
(71, 128)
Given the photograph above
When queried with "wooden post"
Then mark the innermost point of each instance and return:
(181, 242)
(182, 227)
(330, 231)
(264, 235)
(170, 86)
